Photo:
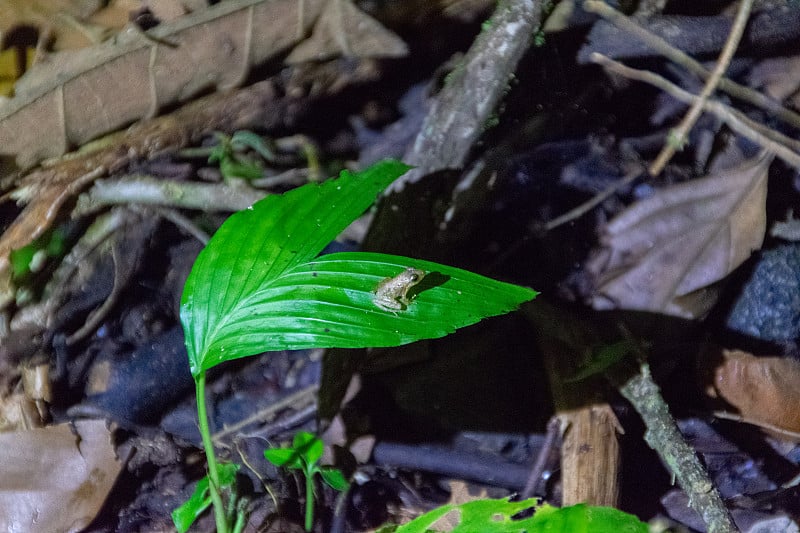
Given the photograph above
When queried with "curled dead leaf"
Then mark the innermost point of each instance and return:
(661, 253)
(764, 390)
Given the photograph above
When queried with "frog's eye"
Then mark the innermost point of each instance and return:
(415, 277)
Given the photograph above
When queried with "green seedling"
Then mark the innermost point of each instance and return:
(31, 258)
(200, 500)
(304, 455)
(233, 154)
(498, 516)
(261, 286)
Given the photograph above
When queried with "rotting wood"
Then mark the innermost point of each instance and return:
(132, 77)
(590, 453)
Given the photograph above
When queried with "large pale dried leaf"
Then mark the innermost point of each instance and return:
(70, 23)
(764, 390)
(343, 29)
(103, 88)
(660, 253)
(55, 478)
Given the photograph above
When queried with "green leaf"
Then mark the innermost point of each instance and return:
(309, 446)
(602, 357)
(334, 478)
(328, 302)
(184, 516)
(486, 516)
(495, 516)
(232, 167)
(243, 139)
(582, 518)
(258, 244)
(284, 457)
(227, 474)
(21, 260)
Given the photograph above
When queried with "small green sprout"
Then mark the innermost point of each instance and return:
(234, 154)
(304, 454)
(200, 500)
(231, 154)
(31, 258)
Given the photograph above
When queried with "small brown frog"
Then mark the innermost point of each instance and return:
(391, 294)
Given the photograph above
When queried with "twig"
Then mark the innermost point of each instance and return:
(677, 56)
(179, 220)
(663, 436)
(147, 190)
(583, 208)
(301, 397)
(97, 316)
(770, 140)
(296, 418)
(553, 430)
(245, 462)
(677, 137)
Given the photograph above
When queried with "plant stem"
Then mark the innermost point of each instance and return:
(211, 459)
(309, 499)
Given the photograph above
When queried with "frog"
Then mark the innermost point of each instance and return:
(391, 294)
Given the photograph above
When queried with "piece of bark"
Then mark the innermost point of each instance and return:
(474, 89)
(590, 455)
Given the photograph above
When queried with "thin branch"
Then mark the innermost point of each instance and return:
(675, 55)
(586, 206)
(179, 220)
(147, 190)
(663, 436)
(679, 135)
(537, 471)
(295, 400)
(782, 146)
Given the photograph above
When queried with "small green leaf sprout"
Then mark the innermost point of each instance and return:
(304, 455)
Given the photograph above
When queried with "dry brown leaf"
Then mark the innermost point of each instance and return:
(764, 390)
(55, 478)
(343, 29)
(165, 10)
(79, 97)
(71, 23)
(662, 252)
